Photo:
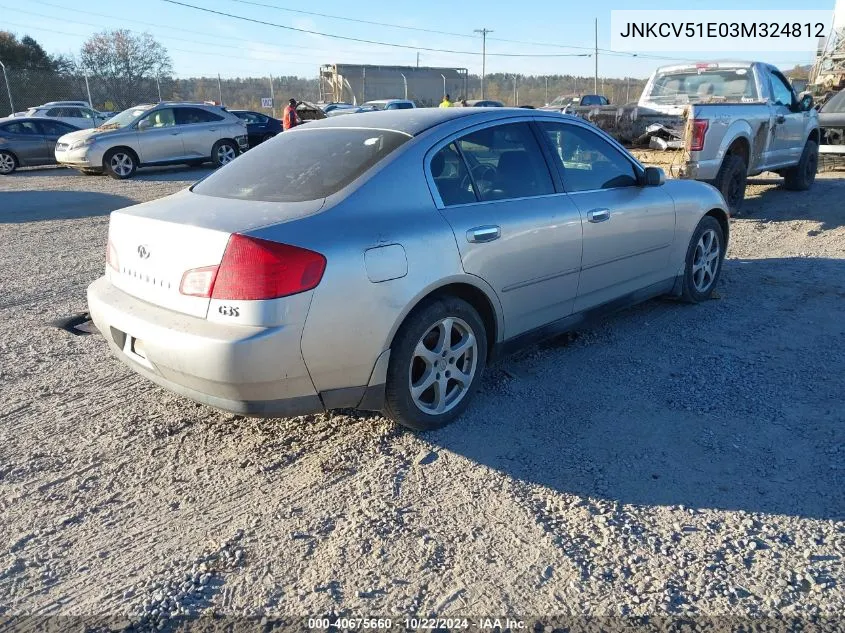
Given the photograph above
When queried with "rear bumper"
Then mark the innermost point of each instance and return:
(246, 370)
(700, 170)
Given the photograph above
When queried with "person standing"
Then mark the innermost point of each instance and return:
(447, 102)
(290, 118)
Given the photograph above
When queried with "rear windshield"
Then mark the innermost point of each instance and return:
(735, 84)
(301, 165)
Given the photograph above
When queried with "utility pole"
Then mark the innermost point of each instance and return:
(484, 33)
(219, 89)
(547, 90)
(418, 59)
(8, 88)
(88, 90)
(596, 78)
(272, 98)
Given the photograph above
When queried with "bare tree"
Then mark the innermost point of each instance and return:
(126, 65)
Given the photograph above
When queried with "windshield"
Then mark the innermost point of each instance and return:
(302, 165)
(126, 117)
(835, 104)
(689, 86)
(564, 101)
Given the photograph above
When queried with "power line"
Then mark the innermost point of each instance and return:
(362, 40)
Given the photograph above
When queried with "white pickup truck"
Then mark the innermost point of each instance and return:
(731, 120)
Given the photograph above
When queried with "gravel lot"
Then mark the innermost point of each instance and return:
(673, 460)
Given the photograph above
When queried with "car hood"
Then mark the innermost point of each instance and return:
(81, 135)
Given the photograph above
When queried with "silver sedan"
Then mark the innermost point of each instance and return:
(380, 260)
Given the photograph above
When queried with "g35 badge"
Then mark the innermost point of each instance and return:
(231, 311)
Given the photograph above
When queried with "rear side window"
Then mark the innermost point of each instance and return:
(55, 112)
(301, 165)
(506, 162)
(187, 116)
(403, 106)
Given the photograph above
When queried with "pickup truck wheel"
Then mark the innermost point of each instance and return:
(803, 175)
(436, 362)
(731, 182)
(705, 254)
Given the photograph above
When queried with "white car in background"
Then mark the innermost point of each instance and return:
(75, 113)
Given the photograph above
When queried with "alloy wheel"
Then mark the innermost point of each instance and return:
(7, 164)
(225, 154)
(705, 260)
(121, 164)
(443, 366)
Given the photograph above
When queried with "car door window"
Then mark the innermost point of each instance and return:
(451, 176)
(781, 91)
(403, 106)
(587, 161)
(161, 118)
(190, 116)
(506, 162)
(54, 128)
(20, 127)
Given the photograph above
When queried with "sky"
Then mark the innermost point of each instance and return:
(202, 43)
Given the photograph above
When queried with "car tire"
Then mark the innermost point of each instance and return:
(224, 152)
(8, 163)
(731, 180)
(705, 254)
(445, 397)
(803, 175)
(120, 163)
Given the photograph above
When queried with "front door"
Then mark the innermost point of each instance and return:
(628, 228)
(51, 131)
(512, 227)
(787, 122)
(162, 140)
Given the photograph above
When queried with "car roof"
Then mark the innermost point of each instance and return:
(414, 121)
(47, 119)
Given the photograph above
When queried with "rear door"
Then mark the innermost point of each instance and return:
(514, 228)
(200, 130)
(162, 140)
(628, 229)
(24, 139)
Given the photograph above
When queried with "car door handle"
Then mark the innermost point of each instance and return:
(598, 215)
(780, 118)
(484, 234)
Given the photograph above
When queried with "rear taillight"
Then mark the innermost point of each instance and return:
(111, 256)
(254, 269)
(699, 130)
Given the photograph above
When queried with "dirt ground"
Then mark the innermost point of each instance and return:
(673, 460)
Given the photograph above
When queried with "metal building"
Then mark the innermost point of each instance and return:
(352, 83)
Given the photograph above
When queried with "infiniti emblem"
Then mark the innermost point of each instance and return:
(143, 253)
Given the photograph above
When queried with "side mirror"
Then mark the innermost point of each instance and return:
(654, 177)
(806, 101)
(143, 124)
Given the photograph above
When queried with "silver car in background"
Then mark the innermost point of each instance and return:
(165, 133)
(380, 260)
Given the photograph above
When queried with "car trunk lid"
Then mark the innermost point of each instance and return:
(155, 243)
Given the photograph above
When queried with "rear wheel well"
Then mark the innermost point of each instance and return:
(123, 148)
(230, 141)
(815, 135)
(473, 296)
(722, 219)
(740, 148)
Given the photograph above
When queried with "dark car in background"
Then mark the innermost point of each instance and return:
(29, 141)
(259, 127)
(484, 103)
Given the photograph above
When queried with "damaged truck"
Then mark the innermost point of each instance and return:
(725, 121)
